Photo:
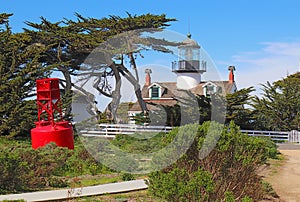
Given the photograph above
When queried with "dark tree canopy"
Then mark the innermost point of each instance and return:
(279, 106)
(64, 46)
(69, 42)
(238, 110)
(19, 67)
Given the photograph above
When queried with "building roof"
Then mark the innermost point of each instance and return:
(189, 42)
(170, 93)
(226, 87)
(151, 105)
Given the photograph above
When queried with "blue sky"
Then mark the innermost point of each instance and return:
(261, 38)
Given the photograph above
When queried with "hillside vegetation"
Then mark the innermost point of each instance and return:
(24, 169)
(229, 170)
(228, 173)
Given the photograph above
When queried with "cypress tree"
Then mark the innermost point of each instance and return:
(19, 67)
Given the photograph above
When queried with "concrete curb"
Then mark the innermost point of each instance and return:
(78, 192)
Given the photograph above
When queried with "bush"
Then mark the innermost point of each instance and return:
(269, 189)
(228, 173)
(58, 182)
(127, 176)
(11, 172)
(24, 169)
(180, 185)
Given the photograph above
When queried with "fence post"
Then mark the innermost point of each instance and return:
(294, 136)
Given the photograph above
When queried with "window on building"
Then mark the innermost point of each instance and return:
(165, 91)
(219, 90)
(210, 89)
(155, 92)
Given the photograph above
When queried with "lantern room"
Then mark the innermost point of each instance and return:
(188, 67)
(189, 57)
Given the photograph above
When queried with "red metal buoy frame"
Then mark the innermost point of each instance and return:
(50, 126)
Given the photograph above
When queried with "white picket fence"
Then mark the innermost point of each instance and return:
(287, 136)
(111, 130)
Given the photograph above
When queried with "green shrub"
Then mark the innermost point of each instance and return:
(229, 197)
(127, 176)
(180, 185)
(269, 189)
(58, 182)
(225, 173)
(12, 171)
(25, 169)
(247, 199)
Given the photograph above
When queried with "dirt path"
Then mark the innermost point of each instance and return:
(286, 179)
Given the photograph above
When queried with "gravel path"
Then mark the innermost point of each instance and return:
(286, 181)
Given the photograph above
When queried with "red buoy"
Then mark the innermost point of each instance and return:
(50, 126)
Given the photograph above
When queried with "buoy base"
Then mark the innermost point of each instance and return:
(61, 134)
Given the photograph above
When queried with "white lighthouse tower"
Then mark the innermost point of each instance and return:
(188, 67)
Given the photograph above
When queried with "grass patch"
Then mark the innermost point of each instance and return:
(275, 164)
(137, 196)
(89, 180)
(269, 189)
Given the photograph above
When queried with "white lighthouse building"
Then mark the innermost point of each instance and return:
(188, 68)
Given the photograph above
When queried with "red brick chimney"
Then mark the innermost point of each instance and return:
(148, 77)
(231, 75)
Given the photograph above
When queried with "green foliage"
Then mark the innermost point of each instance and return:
(63, 46)
(70, 42)
(19, 67)
(230, 166)
(141, 119)
(238, 108)
(25, 169)
(127, 176)
(247, 199)
(122, 111)
(269, 189)
(213, 107)
(180, 185)
(184, 112)
(140, 142)
(108, 154)
(58, 182)
(120, 162)
(229, 197)
(279, 108)
(10, 178)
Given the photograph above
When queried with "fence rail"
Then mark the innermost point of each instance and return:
(111, 130)
(288, 136)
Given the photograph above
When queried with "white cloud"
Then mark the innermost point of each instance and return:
(274, 61)
(280, 48)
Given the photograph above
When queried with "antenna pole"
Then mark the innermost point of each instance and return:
(189, 27)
